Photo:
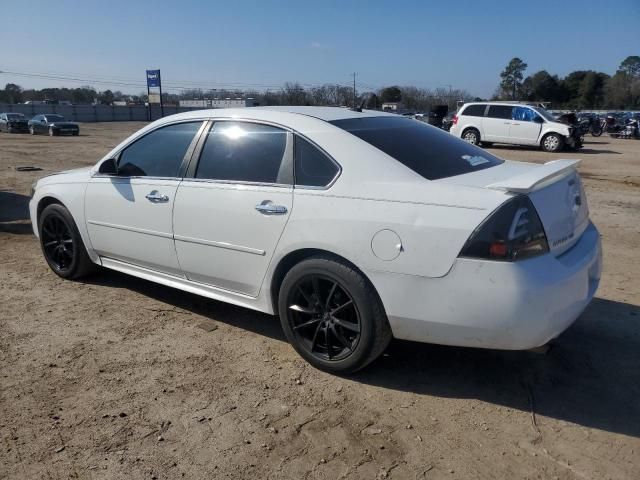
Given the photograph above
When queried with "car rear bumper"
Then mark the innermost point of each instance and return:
(490, 304)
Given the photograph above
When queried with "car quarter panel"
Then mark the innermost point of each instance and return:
(431, 232)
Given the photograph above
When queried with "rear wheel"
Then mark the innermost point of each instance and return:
(552, 142)
(62, 244)
(332, 316)
(472, 136)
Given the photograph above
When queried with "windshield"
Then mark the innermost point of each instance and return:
(55, 118)
(15, 116)
(545, 114)
(428, 151)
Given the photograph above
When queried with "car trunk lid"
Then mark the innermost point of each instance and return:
(554, 188)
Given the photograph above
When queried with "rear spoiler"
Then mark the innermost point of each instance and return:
(527, 182)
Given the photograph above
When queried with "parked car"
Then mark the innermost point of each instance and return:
(52, 124)
(517, 124)
(353, 227)
(13, 122)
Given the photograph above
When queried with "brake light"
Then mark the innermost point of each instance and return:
(454, 120)
(513, 232)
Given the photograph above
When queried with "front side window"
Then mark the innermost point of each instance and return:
(474, 111)
(312, 167)
(500, 111)
(244, 152)
(159, 153)
(430, 152)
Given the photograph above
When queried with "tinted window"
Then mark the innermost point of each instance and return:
(500, 111)
(159, 153)
(474, 111)
(523, 114)
(55, 118)
(312, 167)
(245, 152)
(428, 151)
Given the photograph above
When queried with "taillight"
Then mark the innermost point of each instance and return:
(454, 120)
(513, 232)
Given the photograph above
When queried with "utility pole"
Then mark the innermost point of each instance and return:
(354, 90)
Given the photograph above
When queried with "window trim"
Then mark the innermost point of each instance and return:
(323, 151)
(195, 160)
(188, 155)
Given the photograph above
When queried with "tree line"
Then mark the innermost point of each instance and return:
(582, 89)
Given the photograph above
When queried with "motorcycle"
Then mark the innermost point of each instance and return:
(590, 125)
(610, 125)
(629, 130)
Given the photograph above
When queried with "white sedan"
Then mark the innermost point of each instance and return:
(354, 227)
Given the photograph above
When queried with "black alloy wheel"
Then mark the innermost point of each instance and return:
(324, 317)
(62, 244)
(57, 243)
(332, 315)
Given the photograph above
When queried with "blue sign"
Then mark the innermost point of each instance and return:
(153, 78)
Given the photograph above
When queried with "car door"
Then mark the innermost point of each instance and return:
(525, 126)
(129, 215)
(496, 124)
(233, 205)
(34, 123)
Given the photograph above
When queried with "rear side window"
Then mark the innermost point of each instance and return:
(428, 151)
(474, 111)
(500, 111)
(159, 153)
(244, 152)
(312, 167)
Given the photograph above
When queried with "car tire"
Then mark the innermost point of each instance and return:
(62, 245)
(32, 130)
(472, 136)
(52, 132)
(552, 142)
(75, 134)
(332, 316)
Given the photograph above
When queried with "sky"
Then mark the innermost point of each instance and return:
(238, 43)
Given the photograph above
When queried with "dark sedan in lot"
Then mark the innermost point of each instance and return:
(13, 122)
(53, 125)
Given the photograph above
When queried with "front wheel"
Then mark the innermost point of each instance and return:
(52, 132)
(32, 130)
(62, 244)
(552, 142)
(332, 316)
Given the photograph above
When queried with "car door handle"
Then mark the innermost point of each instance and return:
(267, 207)
(507, 123)
(156, 197)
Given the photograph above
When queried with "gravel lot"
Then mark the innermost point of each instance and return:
(116, 377)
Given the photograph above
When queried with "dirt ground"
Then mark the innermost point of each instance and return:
(115, 377)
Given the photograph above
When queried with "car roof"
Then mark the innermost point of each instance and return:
(326, 114)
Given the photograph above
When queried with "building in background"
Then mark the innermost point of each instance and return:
(220, 103)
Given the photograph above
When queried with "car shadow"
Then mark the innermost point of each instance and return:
(14, 213)
(591, 376)
(588, 151)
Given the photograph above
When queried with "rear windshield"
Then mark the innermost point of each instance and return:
(428, 151)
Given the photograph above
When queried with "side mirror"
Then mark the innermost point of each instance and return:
(108, 167)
